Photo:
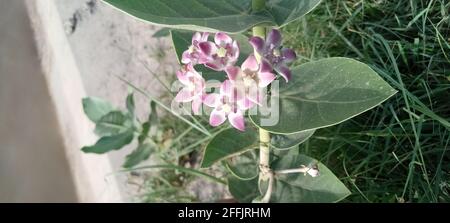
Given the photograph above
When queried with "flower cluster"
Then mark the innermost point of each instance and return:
(244, 87)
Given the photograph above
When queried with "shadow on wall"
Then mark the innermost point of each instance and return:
(33, 166)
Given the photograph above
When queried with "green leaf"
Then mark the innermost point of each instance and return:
(109, 143)
(150, 127)
(130, 104)
(144, 132)
(95, 108)
(228, 143)
(181, 41)
(325, 93)
(280, 141)
(231, 16)
(137, 156)
(161, 33)
(243, 191)
(153, 119)
(112, 123)
(297, 187)
(244, 166)
(286, 11)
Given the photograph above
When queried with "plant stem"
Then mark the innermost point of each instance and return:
(264, 154)
(265, 173)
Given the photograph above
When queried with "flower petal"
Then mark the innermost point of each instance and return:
(250, 63)
(196, 104)
(274, 38)
(186, 57)
(285, 72)
(227, 88)
(201, 58)
(265, 67)
(256, 96)
(245, 103)
(211, 100)
(222, 39)
(235, 51)
(217, 117)
(237, 120)
(184, 96)
(191, 72)
(208, 48)
(288, 55)
(257, 43)
(190, 68)
(205, 36)
(182, 77)
(265, 79)
(215, 65)
(196, 38)
(232, 72)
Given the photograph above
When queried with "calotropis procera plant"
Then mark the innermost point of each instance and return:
(270, 106)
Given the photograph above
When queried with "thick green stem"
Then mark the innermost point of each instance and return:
(264, 136)
(264, 154)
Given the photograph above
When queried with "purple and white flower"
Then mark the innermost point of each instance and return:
(272, 51)
(245, 86)
(226, 106)
(250, 79)
(194, 55)
(224, 52)
(194, 87)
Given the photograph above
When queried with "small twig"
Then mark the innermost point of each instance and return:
(312, 170)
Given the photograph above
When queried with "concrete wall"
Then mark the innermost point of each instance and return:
(84, 45)
(33, 165)
(80, 48)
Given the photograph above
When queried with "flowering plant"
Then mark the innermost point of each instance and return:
(269, 105)
(242, 89)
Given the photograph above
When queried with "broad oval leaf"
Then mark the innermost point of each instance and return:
(96, 108)
(244, 191)
(298, 187)
(286, 11)
(244, 166)
(112, 123)
(325, 93)
(138, 155)
(109, 143)
(280, 141)
(231, 16)
(227, 143)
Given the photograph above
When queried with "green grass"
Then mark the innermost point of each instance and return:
(397, 152)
